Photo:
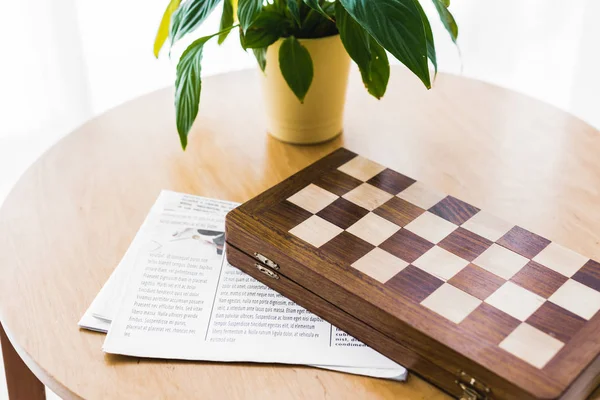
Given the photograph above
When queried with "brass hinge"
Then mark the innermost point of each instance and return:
(266, 261)
(472, 389)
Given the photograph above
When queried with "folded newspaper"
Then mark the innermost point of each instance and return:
(174, 296)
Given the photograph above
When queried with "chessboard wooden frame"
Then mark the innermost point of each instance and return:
(354, 327)
(570, 374)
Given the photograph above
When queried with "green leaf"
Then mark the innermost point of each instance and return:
(447, 18)
(376, 83)
(429, 36)
(370, 57)
(189, 16)
(163, 29)
(188, 85)
(397, 25)
(314, 4)
(261, 57)
(265, 30)
(296, 66)
(242, 39)
(314, 25)
(226, 19)
(355, 39)
(248, 11)
(257, 38)
(294, 10)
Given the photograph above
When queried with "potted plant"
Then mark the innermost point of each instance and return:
(304, 48)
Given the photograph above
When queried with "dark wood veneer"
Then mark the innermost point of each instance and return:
(406, 245)
(522, 241)
(465, 244)
(398, 211)
(539, 279)
(370, 336)
(589, 275)
(414, 283)
(454, 210)
(355, 300)
(476, 281)
(337, 182)
(489, 322)
(556, 321)
(471, 345)
(287, 214)
(342, 213)
(391, 181)
(346, 248)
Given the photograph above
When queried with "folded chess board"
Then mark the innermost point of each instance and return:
(462, 297)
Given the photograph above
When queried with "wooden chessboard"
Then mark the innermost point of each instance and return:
(488, 289)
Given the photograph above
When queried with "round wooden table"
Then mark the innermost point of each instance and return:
(72, 215)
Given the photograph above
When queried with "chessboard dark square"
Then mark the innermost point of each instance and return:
(556, 321)
(589, 275)
(465, 244)
(346, 248)
(391, 181)
(285, 215)
(406, 245)
(337, 182)
(342, 213)
(398, 211)
(523, 242)
(414, 283)
(476, 281)
(539, 279)
(491, 324)
(454, 210)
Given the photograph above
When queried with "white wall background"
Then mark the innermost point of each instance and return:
(64, 61)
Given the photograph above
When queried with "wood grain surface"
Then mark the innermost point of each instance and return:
(355, 327)
(22, 384)
(447, 325)
(73, 214)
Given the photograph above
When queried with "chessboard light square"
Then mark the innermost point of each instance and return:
(316, 231)
(361, 168)
(451, 303)
(380, 265)
(421, 195)
(531, 345)
(440, 263)
(373, 229)
(313, 198)
(500, 261)
(515, 301)
(561, 259)
(367, 196)
(488, 226)
(431, 227)
(577, 298)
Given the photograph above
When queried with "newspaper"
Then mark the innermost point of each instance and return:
(174, 296)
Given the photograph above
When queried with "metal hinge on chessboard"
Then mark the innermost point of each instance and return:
(266, 261)
(472, 389)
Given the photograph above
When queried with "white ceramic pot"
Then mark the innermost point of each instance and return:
(321, 116)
